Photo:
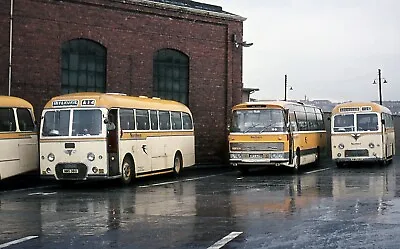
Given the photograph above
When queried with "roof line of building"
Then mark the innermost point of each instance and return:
(189, 9)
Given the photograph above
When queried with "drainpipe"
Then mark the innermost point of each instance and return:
(11, 36)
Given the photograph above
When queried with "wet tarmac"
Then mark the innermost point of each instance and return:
(320, 207)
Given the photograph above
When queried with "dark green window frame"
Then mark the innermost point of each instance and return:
(171, 75)
(83, 66)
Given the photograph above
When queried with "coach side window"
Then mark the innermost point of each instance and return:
(176, 120)
(292, 120)
(385, 119)
(25, 120)
(154, 120)
(127, 119)
(142, 120)
(311, 119)
(302, 121)
(390, 117)
(165, 123)
(187, 121)
(7, 119)
(388, 120)
(320, 120)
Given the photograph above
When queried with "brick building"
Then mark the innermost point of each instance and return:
(175, 49)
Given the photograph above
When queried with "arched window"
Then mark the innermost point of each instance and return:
(83, 66)
(171, 75)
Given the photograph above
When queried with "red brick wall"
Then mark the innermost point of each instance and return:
(4, 45)
(132, 34)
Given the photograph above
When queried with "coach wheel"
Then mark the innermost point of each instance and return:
(177, 164)
(127, 171)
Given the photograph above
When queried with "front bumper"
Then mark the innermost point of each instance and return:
(260, 162)
(357, 159)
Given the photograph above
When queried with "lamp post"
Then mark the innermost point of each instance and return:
(380, 85)
(286, 88)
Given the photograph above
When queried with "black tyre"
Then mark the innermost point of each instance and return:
(128, 171)
(177, 167)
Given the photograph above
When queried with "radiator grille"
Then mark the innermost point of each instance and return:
(270, 146)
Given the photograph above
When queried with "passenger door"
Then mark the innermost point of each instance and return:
(113, 143)
(384, 137)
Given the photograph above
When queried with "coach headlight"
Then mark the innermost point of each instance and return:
(51, 157)
(91, 156)
(341, 146)
(277, 155)
(371, 145)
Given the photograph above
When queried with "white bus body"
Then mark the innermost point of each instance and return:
(116, 137)
(18, 137)
(362, 132)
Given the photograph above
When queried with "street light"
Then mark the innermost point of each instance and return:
(380, 85)
(242, 43)
(286, 87)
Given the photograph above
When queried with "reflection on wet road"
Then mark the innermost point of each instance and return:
(322, 207)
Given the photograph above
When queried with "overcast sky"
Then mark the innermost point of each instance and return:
(330, 49)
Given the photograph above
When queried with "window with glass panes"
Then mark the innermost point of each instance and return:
(171, 75)
(83, 66)
(7, 120)
(25, 120)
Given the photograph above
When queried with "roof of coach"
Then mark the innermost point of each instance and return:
(10, 101)
(271, 104)
(352, 107)
(113, 100)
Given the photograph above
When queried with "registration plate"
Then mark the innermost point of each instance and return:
(70, 171)
(255, 156)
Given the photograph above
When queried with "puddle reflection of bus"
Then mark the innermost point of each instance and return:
(370, 195)
(368, 186)
(286, 198)
(140, 209)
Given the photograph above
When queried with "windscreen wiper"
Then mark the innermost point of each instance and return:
(251, 127)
